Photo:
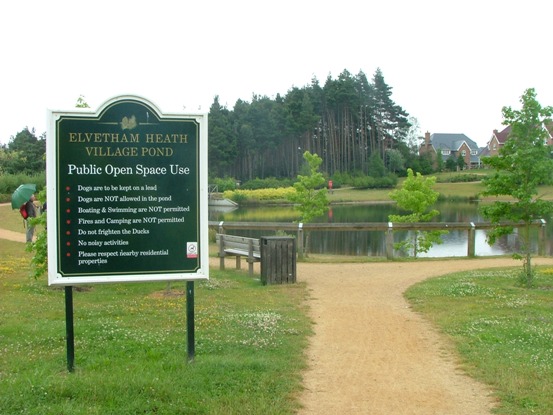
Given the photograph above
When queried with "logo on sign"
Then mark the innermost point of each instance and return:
(191, 249)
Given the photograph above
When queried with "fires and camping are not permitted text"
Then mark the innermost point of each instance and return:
(128, 195)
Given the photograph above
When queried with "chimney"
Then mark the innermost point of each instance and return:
(427, 139)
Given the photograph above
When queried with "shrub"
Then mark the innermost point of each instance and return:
(227, 183)
(10, 182)
(461, 178)
(267, 183)
(368, 182)
(259, 195)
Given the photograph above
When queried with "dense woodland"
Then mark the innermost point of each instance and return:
(348, 122)
(351, 123)
(24, 154)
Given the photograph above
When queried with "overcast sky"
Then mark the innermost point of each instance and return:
(452, 65)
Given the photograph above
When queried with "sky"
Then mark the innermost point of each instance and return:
(452, 65)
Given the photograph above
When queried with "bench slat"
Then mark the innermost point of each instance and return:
(241, 243)
(256, 255)
(238, 246)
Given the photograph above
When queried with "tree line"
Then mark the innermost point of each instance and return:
(24, 154)
(351, 123)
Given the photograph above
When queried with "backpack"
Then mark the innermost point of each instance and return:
(23, 211)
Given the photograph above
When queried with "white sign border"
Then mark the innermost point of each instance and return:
(54, 277)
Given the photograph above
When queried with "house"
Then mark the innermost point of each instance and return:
(451, 146)
(500, 137)
(497, 141)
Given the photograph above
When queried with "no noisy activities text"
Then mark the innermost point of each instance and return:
(139, 169)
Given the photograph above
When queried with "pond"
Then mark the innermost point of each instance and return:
(369, 243)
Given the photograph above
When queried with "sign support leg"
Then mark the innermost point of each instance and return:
(70, 337)
(190, 319)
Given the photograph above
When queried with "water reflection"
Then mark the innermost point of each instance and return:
(371, 243)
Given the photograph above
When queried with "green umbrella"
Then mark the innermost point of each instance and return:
(22, 195)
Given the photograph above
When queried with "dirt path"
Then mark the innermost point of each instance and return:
(372, 355)
(12, 236)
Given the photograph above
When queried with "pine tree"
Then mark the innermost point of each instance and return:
(222, 141)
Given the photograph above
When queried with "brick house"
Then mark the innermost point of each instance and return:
(451, 145)
(499, 138)
(497, 141)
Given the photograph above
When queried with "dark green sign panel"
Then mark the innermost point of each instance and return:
(129, 197)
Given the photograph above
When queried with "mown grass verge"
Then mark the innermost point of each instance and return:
(11, 219)
(504, 333)
(130, 346)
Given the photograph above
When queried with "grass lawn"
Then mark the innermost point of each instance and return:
(11, 219)
(130, 346)
(459, 190)
(131, 355)
(503, 333)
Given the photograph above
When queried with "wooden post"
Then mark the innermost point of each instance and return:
(471, 241)
(221, 251)
(390, 241)
(300, 240)
(541, 238)
(250, 257)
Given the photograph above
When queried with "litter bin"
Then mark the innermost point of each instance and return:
(278, 260)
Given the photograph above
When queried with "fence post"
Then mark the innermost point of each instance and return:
(471, 241)
(390, 241)
(300, 240)
(222, 251)
(250, 257)
(541, 238)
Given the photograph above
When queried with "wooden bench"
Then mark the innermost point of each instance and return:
(238, 246)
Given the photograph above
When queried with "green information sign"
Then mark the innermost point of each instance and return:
(127, 194)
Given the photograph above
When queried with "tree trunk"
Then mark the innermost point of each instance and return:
(529, 274)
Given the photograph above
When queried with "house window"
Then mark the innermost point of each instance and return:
(464, 153)
(446, 152)
(494, 146)
(473, 152)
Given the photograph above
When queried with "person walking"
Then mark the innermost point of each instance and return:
(31, 213)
